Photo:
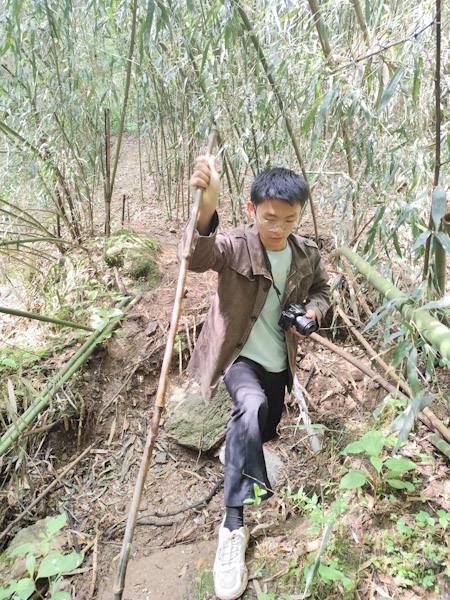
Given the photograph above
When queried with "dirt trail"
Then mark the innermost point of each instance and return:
(155, 571)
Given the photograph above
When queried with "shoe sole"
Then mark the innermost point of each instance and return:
(241, 591)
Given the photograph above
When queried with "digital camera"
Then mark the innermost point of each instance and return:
(294, 314)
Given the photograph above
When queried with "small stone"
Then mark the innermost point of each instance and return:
(172, 230)
(160, 458)
(86, 376)
(151, 327)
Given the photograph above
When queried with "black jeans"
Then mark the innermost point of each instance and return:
(258, 399)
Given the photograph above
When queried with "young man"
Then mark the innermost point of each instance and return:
(262, 269)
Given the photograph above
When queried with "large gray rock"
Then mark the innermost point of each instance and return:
(193, 423)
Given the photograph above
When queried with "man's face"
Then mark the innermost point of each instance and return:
(274, 220)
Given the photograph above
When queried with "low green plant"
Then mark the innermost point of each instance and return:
(415, 552)
(256, 501)
(387, 471)
(328, 570)
(52, 567)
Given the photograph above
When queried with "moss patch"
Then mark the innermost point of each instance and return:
(135, 253)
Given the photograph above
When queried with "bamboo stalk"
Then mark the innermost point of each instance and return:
(107, 117)
(126, 92)
(323, 37)
(361, 20)
(440, 255)
(45, 156)
(437, 153)
(314, 440)
(28, 315)
(324, 41)
(160, 394)
(79, 358)
(388, 370)
(277, 93)
(435, 332)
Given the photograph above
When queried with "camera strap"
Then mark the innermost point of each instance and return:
(269, 268)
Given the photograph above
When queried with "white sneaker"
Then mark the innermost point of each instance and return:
(230, 572)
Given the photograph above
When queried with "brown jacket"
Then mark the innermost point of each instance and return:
(243, 285)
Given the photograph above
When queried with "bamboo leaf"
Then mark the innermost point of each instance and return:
(418, 66)
(421, 401)
(403, 423)
(402, 350)
(421, 239)
(318, 123)
(310, 117)
(442, 303)
(411, 367)
(438, 206)
(12, 400)
(391, 87)
(313, 570)
(444, 240)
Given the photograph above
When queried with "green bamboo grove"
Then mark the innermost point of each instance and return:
(322, 88)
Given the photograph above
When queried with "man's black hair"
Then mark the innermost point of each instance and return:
(279, 184)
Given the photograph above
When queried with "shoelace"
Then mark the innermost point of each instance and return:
(230, 549)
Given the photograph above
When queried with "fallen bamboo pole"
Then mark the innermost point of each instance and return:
(431, 329)
(35, 316)
(377, 378)
(79, 358)
(388, 370)
(440, 444)
(160, 394)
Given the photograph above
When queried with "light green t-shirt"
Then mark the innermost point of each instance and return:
(266, 344)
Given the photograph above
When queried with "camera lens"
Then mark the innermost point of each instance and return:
(305, 325)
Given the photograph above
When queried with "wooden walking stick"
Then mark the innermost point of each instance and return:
(160, 394)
